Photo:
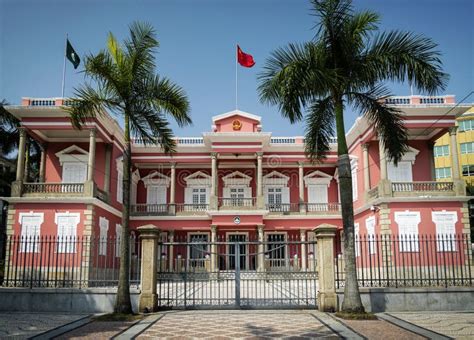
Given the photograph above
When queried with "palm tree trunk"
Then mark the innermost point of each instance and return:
(123, 303)
(351, 301)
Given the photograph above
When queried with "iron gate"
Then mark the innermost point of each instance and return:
(237, 273)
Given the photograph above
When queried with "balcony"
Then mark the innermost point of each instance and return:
(179, 209)
(226, 203)
(304, 208)
(59, 190)
(411, 189)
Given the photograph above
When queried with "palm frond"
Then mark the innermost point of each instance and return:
(400, 56)
(292, 76)
(319, 128)
(388, 121)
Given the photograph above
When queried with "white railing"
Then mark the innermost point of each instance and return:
(332, 140)
(422, 186)
(283, 140)
(179, 141)
(53, 188)
(42, 102)
(323, 207)
(432, 100)
(237, 202)
(398, 100)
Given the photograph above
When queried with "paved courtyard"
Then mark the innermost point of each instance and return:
(457, 325)
(26, 325)
(240, 324)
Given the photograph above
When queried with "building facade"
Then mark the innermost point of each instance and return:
(236, 182)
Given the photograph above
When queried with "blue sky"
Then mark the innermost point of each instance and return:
(198, 40)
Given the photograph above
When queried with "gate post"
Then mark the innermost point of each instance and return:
(149, 236)
(261, 248)
(327, 298)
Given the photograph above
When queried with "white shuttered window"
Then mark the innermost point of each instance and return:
(67, 231)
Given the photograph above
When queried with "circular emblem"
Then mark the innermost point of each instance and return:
(236, 125)
(237, 219)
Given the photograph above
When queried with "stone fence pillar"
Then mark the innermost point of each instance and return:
(149, 236)
(327, 298)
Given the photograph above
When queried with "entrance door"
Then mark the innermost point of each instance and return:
(233, 239)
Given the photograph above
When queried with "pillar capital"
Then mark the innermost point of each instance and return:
(92, 132)
(452, 130)
(300, 164)
(22, 131)
(259, 154)
(214, 155)
(365, 147)
(325, 230)
(213, 228)
(149, 231)
(302, 234)
(173, 165)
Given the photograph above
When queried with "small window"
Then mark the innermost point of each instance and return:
(441, 150)
(468, 170)
(466, 125)
(467, 148)
(443, 173)
(104, 228)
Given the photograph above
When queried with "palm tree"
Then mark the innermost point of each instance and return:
(126, 84)
(344, 66)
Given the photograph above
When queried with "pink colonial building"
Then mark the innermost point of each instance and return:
(236, 182)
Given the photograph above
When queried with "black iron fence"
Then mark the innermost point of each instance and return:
(65, 262)
(410, 261)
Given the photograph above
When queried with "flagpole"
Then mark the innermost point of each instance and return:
(64, 68)
(236, 91)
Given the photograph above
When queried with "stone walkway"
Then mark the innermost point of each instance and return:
(457, 325)
(26, 325)
(248, 324)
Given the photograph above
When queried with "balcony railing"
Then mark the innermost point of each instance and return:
(149, 209)
(38, 189)
(283, 207)
(191, 208)
(323, 207)
(422, 186)
(238, 203)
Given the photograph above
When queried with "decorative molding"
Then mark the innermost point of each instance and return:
(198, 178)
(67, 155)
(275, 178)
(156, 178)
(236, 178)
(317, 177)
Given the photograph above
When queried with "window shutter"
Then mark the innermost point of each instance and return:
(318, 193)
(188, 195)
(161, 195)
(74, 172)
(265, 194)
(285, 195)
(400, 173)
(226, 192)
(248, 192)
(152, 194)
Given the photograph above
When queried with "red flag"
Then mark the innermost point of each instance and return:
(244, 59)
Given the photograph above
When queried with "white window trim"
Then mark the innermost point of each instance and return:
(66, 155)
(247, 257)
(445, 241)
(25, 248)
(156, 178)
(198, 179)
(267, 233)
(103, 225)
(317, 177)
(188, 250)
(408, 246)
(64, 248)
(275, 179)
(370, 224)
(236, 179)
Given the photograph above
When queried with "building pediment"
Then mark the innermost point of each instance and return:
(317, 177)
(156, 178)
(275, 178)
(72, 153)
(236, 121)
(198, 178)
(236, 178)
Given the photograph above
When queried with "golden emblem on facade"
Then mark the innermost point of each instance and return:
(236, 125)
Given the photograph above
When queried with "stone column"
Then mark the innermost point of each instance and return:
(385, 186)
(304, 252)
(214, 257)
(260, 199)
(42, 169)
(214, 179)
(301, 187)
(365, 156)
(172, 208)
(171, 252)
(327, 298)
(20, 167)
(27, 161)
(261, 248)
(459, 184)
(108, 157)
(149, 236)
(432, 160)
(90, 163)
